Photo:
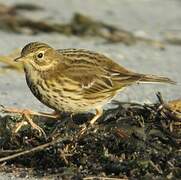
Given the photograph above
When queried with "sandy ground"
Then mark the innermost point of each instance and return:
(151, 16)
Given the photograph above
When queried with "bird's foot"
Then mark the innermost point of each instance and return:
(33, 125)
(83, 129)
(91, 122)
(27, 118)
(30, 112)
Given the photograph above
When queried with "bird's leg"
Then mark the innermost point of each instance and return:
(27, 113)
(98, 114)
(53, 115)
(30, 121)
(19, 125)
(30, 112)
(27, 119)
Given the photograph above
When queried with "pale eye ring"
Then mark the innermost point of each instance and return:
(40, 55)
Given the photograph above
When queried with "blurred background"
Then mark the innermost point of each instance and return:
(142, 35)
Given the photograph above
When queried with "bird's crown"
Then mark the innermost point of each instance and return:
(33, 47)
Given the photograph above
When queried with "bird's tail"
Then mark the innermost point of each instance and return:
(144, 78)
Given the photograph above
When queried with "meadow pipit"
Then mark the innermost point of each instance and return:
(76, 80)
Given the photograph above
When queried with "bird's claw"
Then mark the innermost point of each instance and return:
(83, 129)
(27, 119)
(41, 132)
(35, 126)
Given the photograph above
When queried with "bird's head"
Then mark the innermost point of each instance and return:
(38, 56)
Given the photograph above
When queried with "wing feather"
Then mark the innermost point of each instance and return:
(94, 72)
(90, 80)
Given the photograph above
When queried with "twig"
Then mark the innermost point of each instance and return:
(7, 152)
(35, 149)
(155, 167)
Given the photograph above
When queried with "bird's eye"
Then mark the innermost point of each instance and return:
(40, 55)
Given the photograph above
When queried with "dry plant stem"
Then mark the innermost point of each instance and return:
(8, 152)
(35, 149)
(9, 63)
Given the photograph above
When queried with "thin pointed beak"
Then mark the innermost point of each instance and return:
(19, 59)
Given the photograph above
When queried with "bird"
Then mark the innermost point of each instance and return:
(76, 80)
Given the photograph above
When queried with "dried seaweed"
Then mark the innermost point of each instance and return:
(12, 10)
(173, 38)
(84, 25)
(80, 25)
(129, 141)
